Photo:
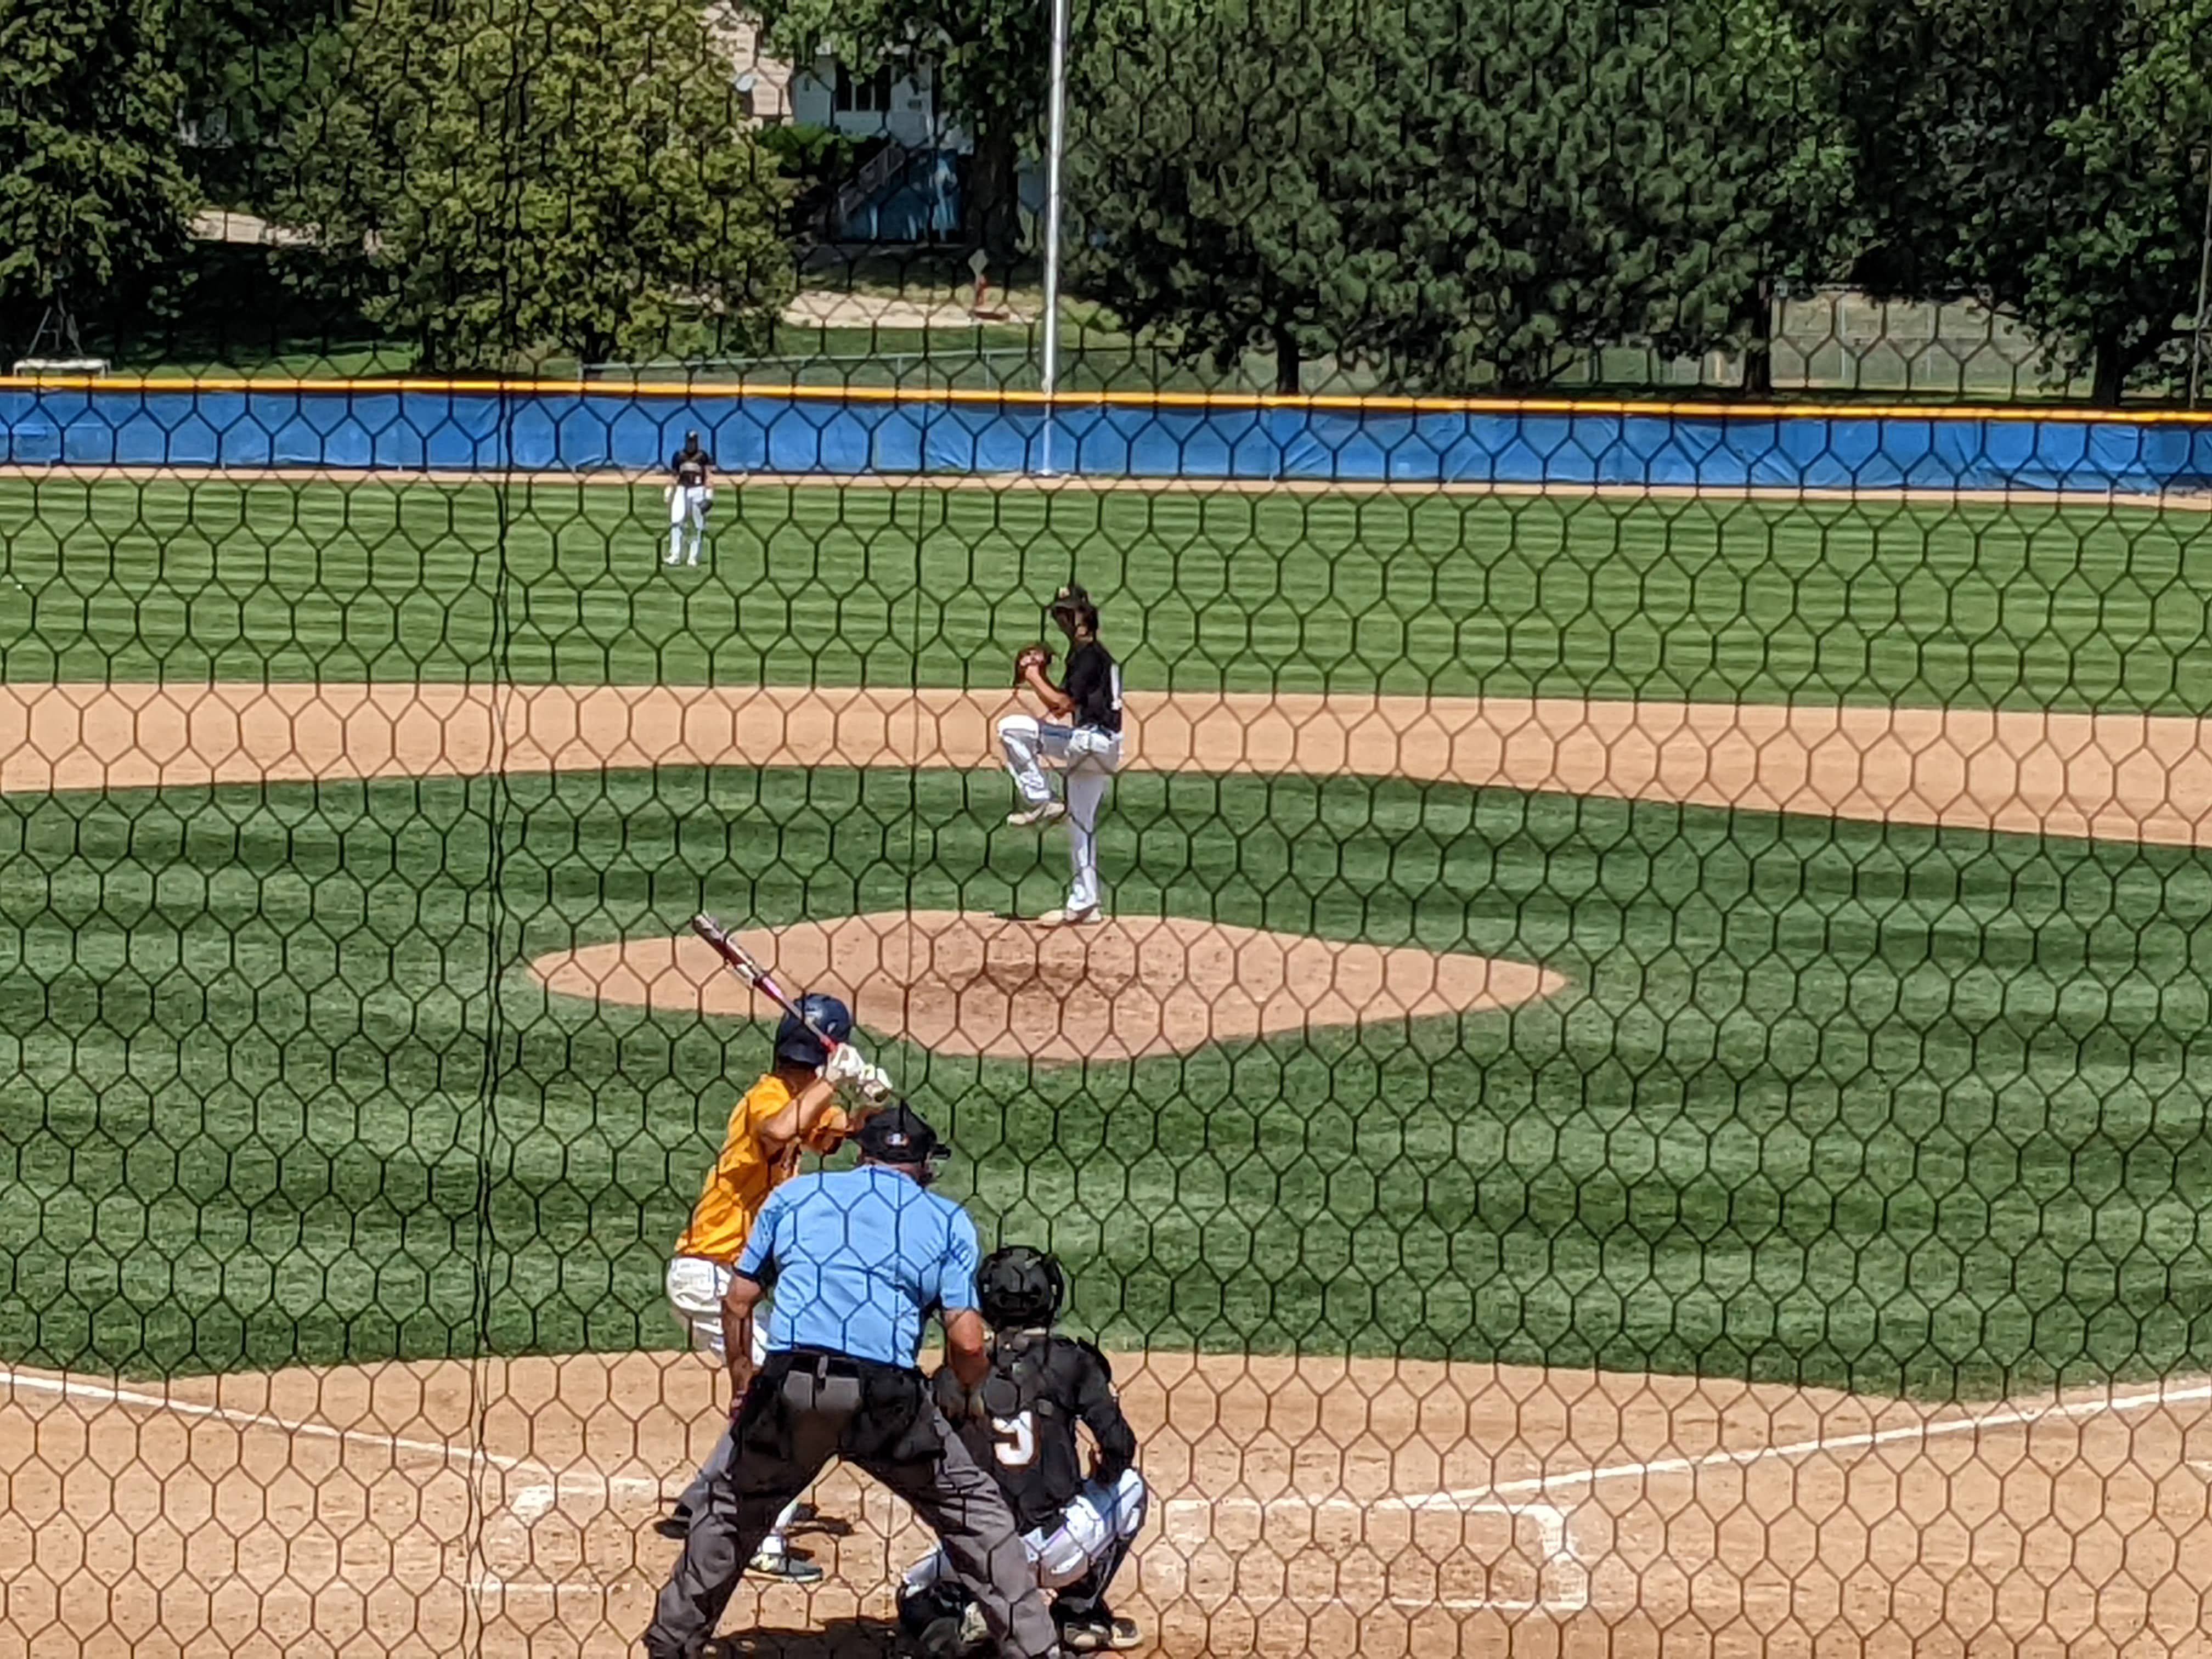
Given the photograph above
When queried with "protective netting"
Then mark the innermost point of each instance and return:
(1634, 1078)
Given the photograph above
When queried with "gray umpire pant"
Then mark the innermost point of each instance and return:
(799, 1412)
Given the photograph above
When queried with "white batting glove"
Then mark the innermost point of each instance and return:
(847, 1065)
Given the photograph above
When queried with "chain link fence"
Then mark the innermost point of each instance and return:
(1614, 1054)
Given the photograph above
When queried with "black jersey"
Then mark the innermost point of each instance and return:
(1094, 686)
(1046, 1385)
(690, 464)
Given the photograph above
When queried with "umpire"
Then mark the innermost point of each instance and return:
(860, 1258)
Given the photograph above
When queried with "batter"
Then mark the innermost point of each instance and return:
(793, 1109)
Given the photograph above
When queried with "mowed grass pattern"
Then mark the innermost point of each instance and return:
(1887, 1107)
(2021, 606)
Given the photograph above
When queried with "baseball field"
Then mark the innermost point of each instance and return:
(1644, 1091)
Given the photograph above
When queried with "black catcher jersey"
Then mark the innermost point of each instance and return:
(1041, 1387)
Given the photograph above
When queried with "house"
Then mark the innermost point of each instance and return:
(905, 186)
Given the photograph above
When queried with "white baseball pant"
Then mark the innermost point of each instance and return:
(1088, 759)
(1097, 1521)
(687, 508)
(695, 1287)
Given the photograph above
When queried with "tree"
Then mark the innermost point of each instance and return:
(245, 67)
(1200, 173)
(1464, 192)
(1780, 115)
(2110, 287)
(2033, 154)
(92, 199)
(496, 177)
(988, 61)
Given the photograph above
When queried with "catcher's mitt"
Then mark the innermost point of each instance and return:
(1030, 656)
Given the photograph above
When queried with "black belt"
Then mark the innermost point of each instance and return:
(828, 1362)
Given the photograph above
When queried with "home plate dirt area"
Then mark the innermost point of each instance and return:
(1301, 1506)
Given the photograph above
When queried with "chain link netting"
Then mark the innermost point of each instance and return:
(1613, 1049)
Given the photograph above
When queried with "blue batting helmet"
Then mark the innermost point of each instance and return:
(795, 1043)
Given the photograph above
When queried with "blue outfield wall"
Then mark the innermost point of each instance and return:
(564, 429)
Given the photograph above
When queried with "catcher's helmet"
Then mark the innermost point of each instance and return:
(691, 438)
(795, 1043)
(1018, 1288)
(1072, 607)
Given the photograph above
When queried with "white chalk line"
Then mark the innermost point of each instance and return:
(2003, 1416)
(108, 1394)
(533, 1502)
(1562, 1580)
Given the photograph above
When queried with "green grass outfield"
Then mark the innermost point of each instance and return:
(2019, 606)
(1830, 1103)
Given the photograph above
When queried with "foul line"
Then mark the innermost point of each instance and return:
(2007, 1417)
(76, 1388)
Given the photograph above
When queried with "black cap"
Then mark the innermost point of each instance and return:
(898, 1135)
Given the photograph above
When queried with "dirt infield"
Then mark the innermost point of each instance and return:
(1306, 1507)
(2127, 777)
(970, 984)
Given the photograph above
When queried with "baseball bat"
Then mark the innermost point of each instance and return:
(747, 966)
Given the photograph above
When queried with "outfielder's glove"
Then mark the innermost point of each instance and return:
(1030, 656)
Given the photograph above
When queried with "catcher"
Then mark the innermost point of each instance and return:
(1020, 1423)
(1084, 735)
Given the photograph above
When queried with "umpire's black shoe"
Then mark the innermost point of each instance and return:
(676, 1524)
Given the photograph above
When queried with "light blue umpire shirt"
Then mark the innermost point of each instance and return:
(860, 1258)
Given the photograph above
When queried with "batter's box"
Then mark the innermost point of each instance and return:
(1512, 1557)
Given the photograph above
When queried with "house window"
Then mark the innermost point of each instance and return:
(864, 94)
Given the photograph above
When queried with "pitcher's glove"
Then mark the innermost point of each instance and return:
(1029, 657)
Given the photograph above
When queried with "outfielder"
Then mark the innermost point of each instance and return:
(691, 496)
(791, 1109)
(1020, 1424)
(1084, 735)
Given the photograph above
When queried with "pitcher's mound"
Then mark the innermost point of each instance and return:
(972, 984)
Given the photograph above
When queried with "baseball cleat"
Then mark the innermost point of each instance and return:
(790, 1568)
(676, 1524)
(1100, 1632)
(1043, 812)
(1063, 917)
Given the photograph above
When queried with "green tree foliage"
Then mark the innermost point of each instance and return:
(247, 65)
(1464, 192)
(92, 200)
(988, 61)
(2110, 285)
(2034, 154)
(499, 177)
